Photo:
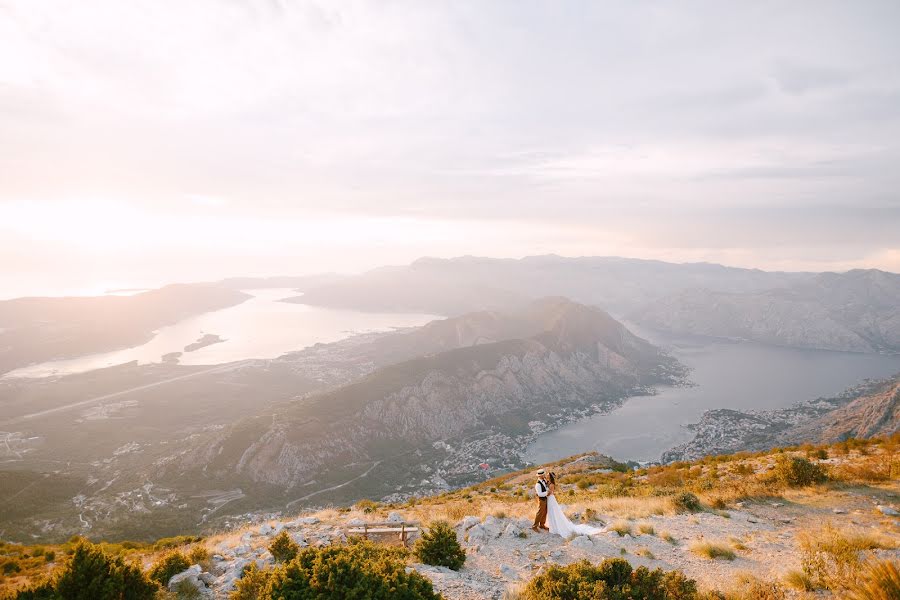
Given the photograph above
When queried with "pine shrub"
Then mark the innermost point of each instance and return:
(613, 579)
(172, 563)
(438, 546)
(283, 548)
(91, 574)
(686, 502)
(356, 570)
(251, 585)
(795, 471)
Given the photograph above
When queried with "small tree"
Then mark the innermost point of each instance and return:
(251, 585)
(283, 548)
(686, 502)
(794, 471)
(91, 574)
(171, 564)
(438, 546)
(613, 579)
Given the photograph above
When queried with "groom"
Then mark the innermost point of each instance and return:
(542, 490)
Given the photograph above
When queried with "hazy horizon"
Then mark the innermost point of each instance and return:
(152, 142)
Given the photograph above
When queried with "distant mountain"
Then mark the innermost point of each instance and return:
(41, 329)
(459, 285)
(857, 311)
(868, 410)
(298, 282)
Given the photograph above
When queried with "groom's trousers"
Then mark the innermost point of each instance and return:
(540, 519)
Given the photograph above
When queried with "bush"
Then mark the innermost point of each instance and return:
(171, 564)
(794, 471)
(283, 548)
(686, 502)
(251, 585)
(91, 574)
(356, 570)
(438, 546)
(613, 579)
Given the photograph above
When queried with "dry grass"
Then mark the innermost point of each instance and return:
(712, 550)
(799, 581)
(621, 527)
(646, 528)
(831, 558)
(879, 580)
(634, 508)
(645, 552)
(665, 535)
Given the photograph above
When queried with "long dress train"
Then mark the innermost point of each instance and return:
(560, 524)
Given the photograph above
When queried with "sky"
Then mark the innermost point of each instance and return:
(145, 142)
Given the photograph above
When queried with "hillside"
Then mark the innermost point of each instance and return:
(41, 329)
(428, 422)
(149, 450)
(857, 311)
(746, 525)
(868, 410)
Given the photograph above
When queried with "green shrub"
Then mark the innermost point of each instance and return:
(283, 548)
(613, 579)
(172, 563)
(686, 502)
(91, 574)
(356, 570)
(10, 565)
(438, 546)
(49, 556)
(794, 471)
(251, 585)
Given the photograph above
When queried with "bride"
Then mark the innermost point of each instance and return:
(557, 520)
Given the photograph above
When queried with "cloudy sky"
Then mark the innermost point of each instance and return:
(143, 142)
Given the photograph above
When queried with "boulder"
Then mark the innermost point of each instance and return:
(242, 550)
(395, 517)
(477, 535)
(493, 525)
(307, 520)
(582, 541)
(356, 522)
(266, 529)
(887, 510)
(192, 576)
(468, 522)
(512, 530)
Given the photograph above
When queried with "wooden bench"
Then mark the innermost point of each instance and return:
(404, 528)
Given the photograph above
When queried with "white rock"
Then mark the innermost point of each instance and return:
(192, 576)
(477, 535)
(266, 529)
(512, 530)
(509, 573)
(394, 517)
(279, 527)
(207, 578)
(242, 550)
(556, 554)
(468, 522)
(356, 522)
(307, 520)
(493, 525)
(839, 511)
(582, 541)
(887, 510)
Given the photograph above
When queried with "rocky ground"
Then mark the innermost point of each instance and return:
(503, 553)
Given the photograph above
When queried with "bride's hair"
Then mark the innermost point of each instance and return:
(552, 477)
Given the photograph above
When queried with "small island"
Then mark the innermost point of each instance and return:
(203, 341)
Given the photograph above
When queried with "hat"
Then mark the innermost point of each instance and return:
(540, 472)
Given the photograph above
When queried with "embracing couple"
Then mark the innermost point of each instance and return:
(550, 516)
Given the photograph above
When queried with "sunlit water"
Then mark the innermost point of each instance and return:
(261, 327)
(728, 375)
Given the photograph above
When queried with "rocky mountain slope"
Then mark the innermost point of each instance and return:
(868, 410)
(857, 311)
(41, 329)
(436, 417)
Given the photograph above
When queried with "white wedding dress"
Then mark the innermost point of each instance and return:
(560, 524)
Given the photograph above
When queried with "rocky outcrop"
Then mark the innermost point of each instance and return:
(871, 409)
